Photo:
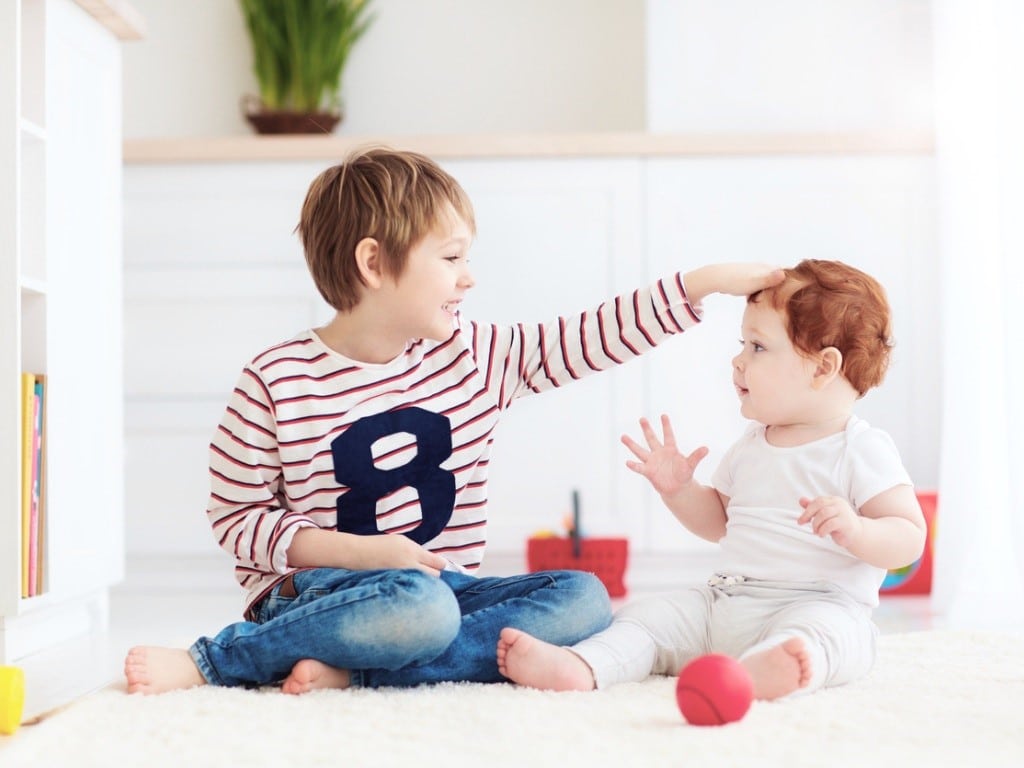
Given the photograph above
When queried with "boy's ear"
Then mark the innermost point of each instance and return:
(830, 364)
(368, 262)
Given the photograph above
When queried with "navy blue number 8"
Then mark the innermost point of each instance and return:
(354, 467)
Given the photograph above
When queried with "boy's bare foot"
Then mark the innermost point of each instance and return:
(528, 661)
(150, 669)
(310, 675)
(779, 671)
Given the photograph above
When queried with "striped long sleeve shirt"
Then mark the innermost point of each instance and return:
(311, 438)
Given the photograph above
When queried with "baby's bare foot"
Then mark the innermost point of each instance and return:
(150, 669)
(528, 661)
(310, 675)
(779, 671)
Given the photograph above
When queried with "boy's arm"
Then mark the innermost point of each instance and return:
(319, 548)
(245, 511)
(888, 533)
(537, 357)
(732, 279)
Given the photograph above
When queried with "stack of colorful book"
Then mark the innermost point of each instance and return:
(33, 481)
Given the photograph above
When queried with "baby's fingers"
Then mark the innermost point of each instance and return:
(650, 435)
(828, 527)
(666, 429)
(638, 450)
(697, 456)
(810, 509)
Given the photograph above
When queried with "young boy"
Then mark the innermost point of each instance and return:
(381, 423)
(811, 507)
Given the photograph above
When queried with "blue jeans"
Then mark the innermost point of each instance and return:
(401, 627)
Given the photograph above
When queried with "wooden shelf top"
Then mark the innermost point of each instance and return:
(253, 148)
(118, 16)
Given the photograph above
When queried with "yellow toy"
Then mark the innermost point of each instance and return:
(12, 698)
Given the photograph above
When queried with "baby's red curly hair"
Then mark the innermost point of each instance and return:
(831, 304)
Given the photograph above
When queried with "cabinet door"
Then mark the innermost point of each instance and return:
(213, 275)
(555, 237)
(84, 501)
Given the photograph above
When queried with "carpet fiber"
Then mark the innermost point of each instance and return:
(933, 699)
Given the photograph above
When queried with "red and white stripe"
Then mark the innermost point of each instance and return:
(271, 465)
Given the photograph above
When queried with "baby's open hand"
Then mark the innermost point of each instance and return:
(661, 463)
(831, 516)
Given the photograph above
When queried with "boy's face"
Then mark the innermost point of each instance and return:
(428, 293)
(773, 380)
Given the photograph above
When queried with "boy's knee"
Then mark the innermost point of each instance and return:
(440, 607)
(591, 608)
(426, 610)
(587, 584)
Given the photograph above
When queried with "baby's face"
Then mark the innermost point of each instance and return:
(773, 380)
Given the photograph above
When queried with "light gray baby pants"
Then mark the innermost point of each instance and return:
(737, 617)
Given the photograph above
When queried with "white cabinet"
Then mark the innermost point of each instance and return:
(60, 299)
(214, 274)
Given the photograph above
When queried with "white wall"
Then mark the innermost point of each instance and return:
(801, 66)
(214, 272)
(425, 66)
(479, 66)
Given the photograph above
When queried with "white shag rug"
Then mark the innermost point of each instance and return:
(933, 699)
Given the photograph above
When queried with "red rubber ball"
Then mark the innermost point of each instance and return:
(714, 690)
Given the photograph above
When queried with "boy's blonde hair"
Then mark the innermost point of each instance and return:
(831, 304)
(396, 198)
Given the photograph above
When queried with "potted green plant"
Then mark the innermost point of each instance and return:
(300, 48)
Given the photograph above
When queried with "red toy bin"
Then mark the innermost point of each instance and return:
(605, 558)
(916, 578)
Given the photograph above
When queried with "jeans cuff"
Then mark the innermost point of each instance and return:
(198, 654)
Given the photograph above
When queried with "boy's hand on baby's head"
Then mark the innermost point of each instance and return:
(667, 470)
(737, 279)
(831, 516)
(745, 279)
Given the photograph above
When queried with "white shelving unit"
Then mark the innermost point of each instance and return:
(60, 310)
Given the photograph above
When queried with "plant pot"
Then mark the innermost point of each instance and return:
(277, 121)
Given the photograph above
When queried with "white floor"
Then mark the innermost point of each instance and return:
(147, 610)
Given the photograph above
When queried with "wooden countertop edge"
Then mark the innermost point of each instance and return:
(118, 16)
(254, 148)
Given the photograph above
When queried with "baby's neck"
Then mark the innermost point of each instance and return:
(789, 435)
